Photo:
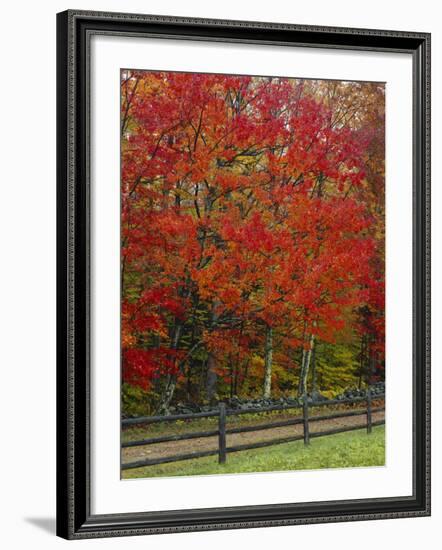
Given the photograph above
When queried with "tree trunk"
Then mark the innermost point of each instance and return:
(237, 366)
(314, 371)
(171, 380)
(301, 373)
(268, 357)
(361, 361)
(211, 376)
(371, 367)
(168, 392)
(232, 374)
(306, 367)
(211, 379)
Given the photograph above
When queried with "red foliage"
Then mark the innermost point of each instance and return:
(241, 206)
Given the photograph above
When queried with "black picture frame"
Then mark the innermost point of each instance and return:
(74, 518)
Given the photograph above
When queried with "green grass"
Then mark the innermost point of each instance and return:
(350, 449)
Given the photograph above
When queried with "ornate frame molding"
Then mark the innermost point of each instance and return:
(74, 29)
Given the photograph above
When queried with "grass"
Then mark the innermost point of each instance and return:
(350, 449)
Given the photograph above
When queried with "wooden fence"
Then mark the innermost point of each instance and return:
(222, 431)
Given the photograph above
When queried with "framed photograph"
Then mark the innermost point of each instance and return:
(243, 274)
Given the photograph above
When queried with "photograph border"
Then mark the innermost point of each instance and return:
(74, 32)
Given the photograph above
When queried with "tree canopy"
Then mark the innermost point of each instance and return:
(252, 235)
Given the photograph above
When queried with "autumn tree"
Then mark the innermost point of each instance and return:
(250, 227)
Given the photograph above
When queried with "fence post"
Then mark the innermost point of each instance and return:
(222, 433)
(369, 410)
(305, 416)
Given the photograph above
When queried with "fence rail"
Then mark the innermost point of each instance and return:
(222, 431)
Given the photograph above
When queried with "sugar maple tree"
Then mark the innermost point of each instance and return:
(252, 228)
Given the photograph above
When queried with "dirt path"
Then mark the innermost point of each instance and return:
(171, 448)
